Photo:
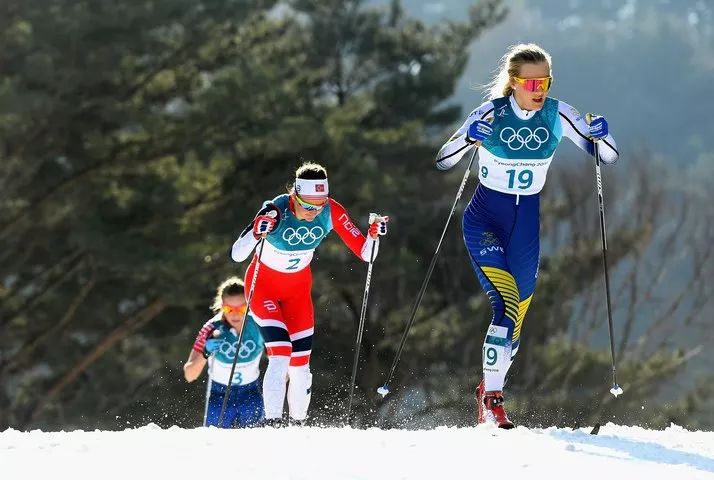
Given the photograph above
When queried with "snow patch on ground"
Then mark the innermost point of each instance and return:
(345, 453)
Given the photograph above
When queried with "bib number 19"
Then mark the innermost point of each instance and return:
(524, 178)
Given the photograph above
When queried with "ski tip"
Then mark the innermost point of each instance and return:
(383, 390)
(616, 390)
(595, 430)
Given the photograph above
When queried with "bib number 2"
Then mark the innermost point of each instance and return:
(293, 264)
(524, 178)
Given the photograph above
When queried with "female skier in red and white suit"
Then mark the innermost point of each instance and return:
(294, 224)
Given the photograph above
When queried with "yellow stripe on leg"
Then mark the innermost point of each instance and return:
(506, 286)
(522, 309)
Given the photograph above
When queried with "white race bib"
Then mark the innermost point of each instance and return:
(285, 260)
(515, 176)
(244, 373)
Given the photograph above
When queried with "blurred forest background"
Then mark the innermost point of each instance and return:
(138, 138)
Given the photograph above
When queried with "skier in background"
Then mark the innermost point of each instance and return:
(518, 130)
(294, 224)
(218, 340)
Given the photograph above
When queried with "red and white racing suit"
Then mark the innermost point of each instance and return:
(282, 302)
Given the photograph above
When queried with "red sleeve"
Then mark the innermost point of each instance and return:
(348, 232)
(203, 335)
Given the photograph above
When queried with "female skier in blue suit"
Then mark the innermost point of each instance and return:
(518, 130)
(217, 345)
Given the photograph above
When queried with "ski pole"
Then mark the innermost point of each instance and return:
(208, 390)
(373, 217)
(384, 389)
(616, 389)
(240, 334)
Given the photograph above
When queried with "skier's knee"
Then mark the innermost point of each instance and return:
(277, 368)
(300, 374)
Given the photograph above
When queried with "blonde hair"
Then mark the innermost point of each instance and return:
(229, 286)
(510, 65)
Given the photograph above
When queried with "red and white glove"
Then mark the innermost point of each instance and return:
(377, 225)
(264, 223)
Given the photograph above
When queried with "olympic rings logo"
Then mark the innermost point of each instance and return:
(305, 235)
(524, 137)
(246, 349)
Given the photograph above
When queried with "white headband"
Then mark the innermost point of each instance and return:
(311, 188)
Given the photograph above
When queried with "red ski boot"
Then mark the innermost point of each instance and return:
(490, 408)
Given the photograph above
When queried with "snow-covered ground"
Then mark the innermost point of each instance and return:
(333, 453)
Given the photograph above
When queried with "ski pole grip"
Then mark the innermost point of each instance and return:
(478, 143)
(271, 214)
(588, 120)
(373, 217)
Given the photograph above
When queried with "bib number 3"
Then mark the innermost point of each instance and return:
(524, 178)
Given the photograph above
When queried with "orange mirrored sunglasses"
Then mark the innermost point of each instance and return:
(535, 84)
(234, 309)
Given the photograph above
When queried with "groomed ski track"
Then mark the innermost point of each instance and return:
(344, 453)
